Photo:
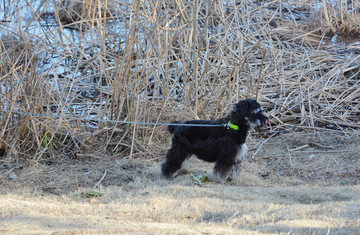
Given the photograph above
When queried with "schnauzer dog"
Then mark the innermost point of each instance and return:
(223, 142)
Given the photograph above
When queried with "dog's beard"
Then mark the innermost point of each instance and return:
(253, 124)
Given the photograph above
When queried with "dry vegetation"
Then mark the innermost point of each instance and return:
(137, 62)
(294, 186)
(159, 61)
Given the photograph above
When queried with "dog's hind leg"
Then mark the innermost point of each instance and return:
(176, 158)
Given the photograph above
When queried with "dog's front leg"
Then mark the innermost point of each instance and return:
(242, 151)
(223, 171)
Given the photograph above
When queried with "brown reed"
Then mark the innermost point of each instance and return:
(174, 61)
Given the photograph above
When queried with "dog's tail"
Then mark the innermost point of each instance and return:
(172, 128)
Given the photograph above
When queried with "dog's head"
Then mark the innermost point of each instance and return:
(249, 111)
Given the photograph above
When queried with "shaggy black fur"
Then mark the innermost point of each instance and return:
(223, 145)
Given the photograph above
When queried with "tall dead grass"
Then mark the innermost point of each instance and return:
(341, 17)
(160, 61)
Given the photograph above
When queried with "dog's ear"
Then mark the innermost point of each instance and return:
(242, 106)
(239, 110)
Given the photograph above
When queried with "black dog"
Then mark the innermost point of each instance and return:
(223, 144)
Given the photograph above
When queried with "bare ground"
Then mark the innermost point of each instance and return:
(299, 183)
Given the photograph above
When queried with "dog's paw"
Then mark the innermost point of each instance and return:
(183, 172)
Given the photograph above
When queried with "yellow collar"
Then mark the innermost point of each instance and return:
(232, 126)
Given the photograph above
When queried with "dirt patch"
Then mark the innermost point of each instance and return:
(305, 182)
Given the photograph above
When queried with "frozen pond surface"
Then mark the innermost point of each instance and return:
(71, 55)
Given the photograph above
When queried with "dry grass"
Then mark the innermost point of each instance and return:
(70, 11)
(177, 209)
(158, 62)
(166, 61)
(273, 194)
(342, 17)
(303, 183)
(311, 158)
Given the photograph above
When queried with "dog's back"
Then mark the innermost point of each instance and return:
(172, 128)
(197, 133)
